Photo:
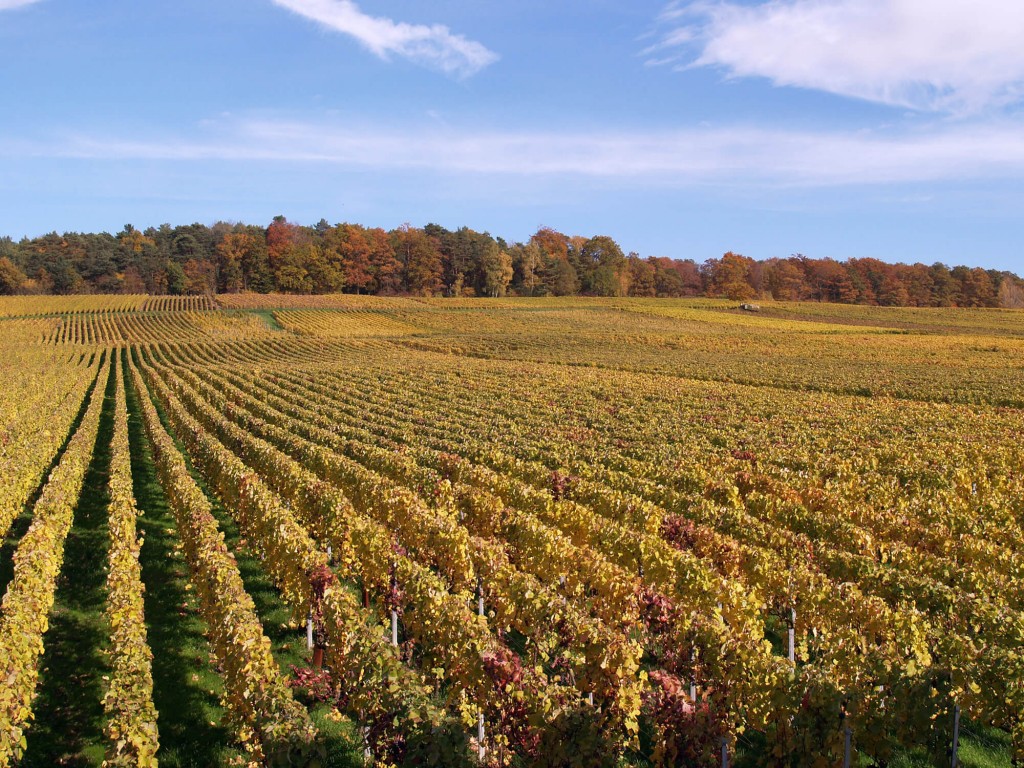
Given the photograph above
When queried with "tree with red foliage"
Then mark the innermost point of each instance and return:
(785, 280)
(349, 241)
(829, 281)
(976, 287)
(282, 237)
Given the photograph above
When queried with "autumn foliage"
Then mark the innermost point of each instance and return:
(433, 261)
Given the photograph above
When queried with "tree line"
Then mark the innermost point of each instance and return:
(434, 261)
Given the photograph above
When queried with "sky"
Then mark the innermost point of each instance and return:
(833, 128)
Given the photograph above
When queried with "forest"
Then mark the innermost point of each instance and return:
(286, 257)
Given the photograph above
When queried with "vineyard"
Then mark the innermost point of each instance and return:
(355, 530)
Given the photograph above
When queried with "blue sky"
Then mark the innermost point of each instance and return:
(885, 128)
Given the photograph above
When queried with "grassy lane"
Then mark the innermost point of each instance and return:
(68, 726)
(979, 748)
(267, 316)
(185, 685)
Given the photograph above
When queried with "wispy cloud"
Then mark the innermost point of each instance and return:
(432, 45)
(6, 5)
(933, 55)
(728, 156)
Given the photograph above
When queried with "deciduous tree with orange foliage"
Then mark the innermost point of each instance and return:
(729, 277)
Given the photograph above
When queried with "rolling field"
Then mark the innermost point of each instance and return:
(349, 530)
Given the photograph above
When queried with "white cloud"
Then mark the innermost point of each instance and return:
(6, 5)
(434, 46)
(936, 55)
(727, 156)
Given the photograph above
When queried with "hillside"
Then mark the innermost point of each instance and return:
(520, 531)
